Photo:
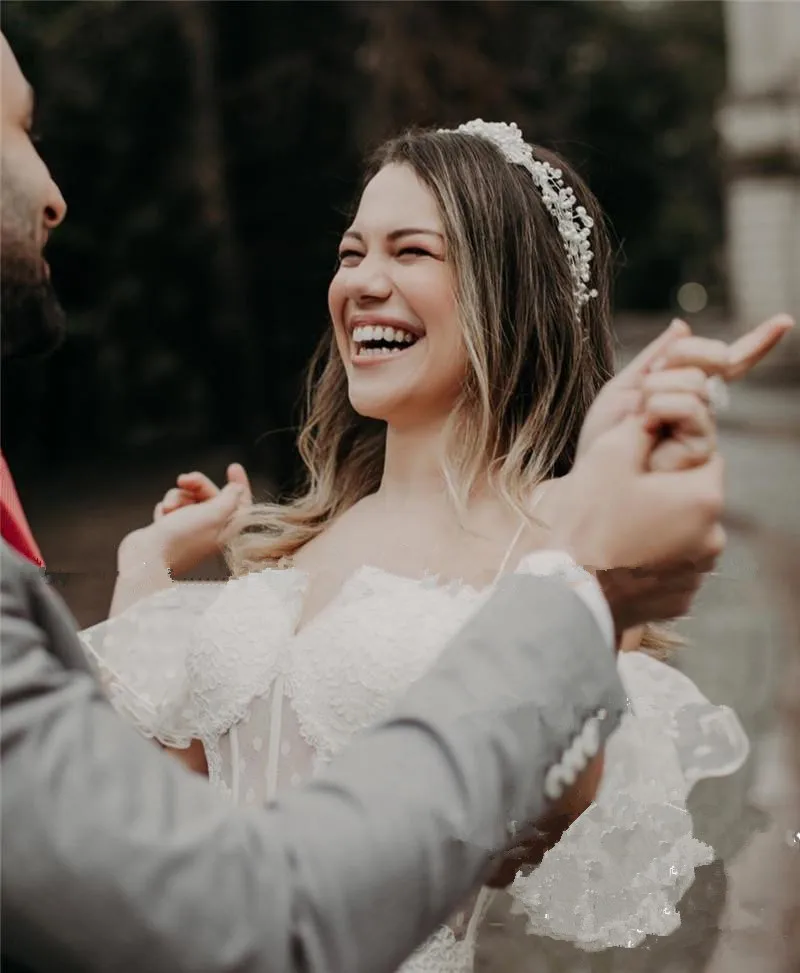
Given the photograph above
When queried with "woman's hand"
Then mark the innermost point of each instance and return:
(189, 524)
(668, 379)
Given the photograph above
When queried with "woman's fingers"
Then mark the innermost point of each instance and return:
(730, 362)
(752, 347)
(198, 484)
(632, 374)
(196, 487)
(692, 432)
(686, 412)
(691, 379)
(175, 498)
(179, 497)
(237, 474)
(708, 354)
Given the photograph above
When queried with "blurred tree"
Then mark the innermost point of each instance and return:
(208, 150)
(627, 95)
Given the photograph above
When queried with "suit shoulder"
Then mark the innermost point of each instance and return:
(17, 575)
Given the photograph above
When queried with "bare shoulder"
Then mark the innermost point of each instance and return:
(342, 534)
(527, 530)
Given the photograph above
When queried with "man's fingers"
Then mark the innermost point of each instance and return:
(700, 492)
(756, 344)
(674, 455)
(199, 484)
(641, 364)
(716, 542)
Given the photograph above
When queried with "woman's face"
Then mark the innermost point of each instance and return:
(393, 307)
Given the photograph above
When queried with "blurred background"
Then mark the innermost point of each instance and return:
(209, 153)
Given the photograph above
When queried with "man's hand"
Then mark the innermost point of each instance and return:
(535, 842)
(611, 511)
(659, 593)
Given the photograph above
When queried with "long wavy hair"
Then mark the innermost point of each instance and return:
(534, 366)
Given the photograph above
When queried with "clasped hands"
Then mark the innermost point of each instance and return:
(666, 390)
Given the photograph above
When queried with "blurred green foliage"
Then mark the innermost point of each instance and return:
(209, 152)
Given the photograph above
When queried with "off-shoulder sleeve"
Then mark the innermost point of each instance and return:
(620, 870)
(141, 659)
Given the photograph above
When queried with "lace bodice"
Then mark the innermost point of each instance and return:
(226, 664)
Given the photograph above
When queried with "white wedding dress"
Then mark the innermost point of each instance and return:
(225, 664)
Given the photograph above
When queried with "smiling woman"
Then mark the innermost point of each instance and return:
(393, 304)
(470, 335)
(455, 321)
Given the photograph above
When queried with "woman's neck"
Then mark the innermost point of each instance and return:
(413, 465)
(413, 471)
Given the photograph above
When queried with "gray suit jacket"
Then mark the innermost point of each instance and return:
(116, 859)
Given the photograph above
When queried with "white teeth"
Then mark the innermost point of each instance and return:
(379, 333)
(374, 352)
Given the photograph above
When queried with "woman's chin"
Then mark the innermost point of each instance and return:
(383, 404)
(401, 404)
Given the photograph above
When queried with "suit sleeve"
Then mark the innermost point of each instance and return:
(117, 860)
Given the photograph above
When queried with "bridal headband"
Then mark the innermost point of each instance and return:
(573, 222)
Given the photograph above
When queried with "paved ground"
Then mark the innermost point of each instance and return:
(741, 634)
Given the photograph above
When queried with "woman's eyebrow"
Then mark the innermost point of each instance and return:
(397, 234)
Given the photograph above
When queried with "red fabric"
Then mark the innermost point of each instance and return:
(13, 523)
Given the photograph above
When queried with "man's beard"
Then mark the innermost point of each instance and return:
(33, 321)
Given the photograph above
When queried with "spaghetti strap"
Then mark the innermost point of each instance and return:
(509, 552)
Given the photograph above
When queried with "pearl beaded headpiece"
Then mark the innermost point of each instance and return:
(573, 222)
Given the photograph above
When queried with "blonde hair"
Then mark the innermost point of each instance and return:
(534, 367)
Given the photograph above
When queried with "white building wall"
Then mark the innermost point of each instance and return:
(760, 126)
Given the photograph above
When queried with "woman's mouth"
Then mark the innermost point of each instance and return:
(378, 342)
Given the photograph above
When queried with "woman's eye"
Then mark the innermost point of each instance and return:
(349, 256)
(413, 251)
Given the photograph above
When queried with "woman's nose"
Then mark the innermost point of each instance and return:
(369, 281)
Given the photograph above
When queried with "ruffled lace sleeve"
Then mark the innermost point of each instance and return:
(141, 659)
(620, 870)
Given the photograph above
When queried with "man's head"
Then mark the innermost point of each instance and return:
(31, 205)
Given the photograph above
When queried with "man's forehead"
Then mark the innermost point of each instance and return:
(17, 94)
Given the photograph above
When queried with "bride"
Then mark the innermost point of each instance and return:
(470, 337)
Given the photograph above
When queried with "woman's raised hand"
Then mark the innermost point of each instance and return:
(190, 523)
(668, 384)
(192, 488)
